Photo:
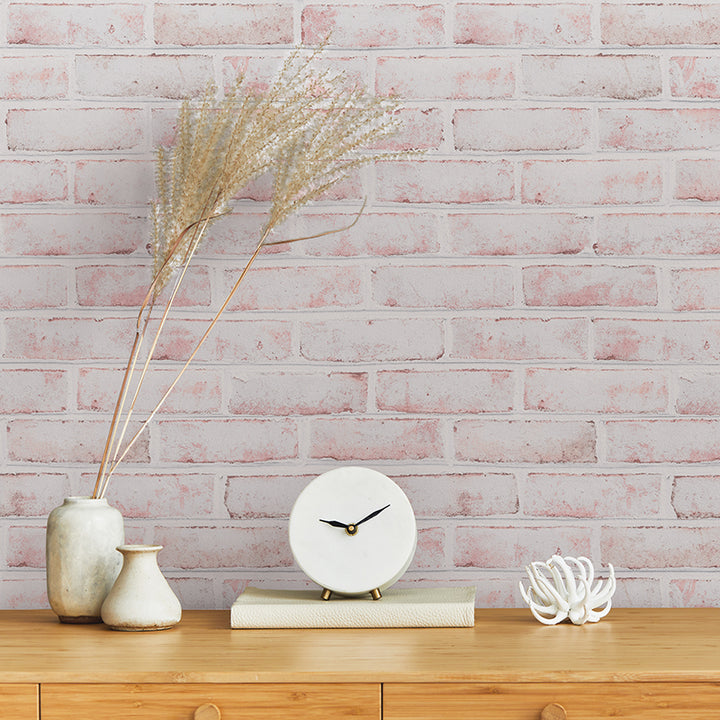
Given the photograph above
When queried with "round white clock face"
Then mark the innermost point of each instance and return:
(352, 530)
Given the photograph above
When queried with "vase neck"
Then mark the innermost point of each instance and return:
(80, 500)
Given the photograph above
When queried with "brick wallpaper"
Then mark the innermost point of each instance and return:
(523, 329)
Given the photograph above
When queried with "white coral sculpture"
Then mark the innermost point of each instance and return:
(561, 589)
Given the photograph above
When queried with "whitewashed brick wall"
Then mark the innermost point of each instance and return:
(523, 329)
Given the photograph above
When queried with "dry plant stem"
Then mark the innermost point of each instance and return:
(261, 244)
(117, 445)
(197, 347)
(141, 328)
(199, 231)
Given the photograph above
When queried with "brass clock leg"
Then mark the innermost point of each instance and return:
(325, 594)
(375, 594)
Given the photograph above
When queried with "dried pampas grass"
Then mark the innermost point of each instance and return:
(310, 129)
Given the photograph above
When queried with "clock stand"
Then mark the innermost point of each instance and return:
(326, 594)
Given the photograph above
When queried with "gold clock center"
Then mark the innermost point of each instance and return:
(351, 529)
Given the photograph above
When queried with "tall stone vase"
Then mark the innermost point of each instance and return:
(82, 563)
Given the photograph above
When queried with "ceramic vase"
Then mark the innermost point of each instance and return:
(82, 563)
(141, 598)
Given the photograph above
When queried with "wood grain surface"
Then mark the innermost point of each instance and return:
(670, 645)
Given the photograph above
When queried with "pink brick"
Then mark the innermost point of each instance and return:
(226, 441)
(75, 24)
(235, 340)
(199, 391)
(443, 77)
(31, 390)
(376, 234)
(654, 441)
(444, 286)
(421, 129)
(596, 390)
(155, 495)
(510, 338)
(698, 180)
(33, 77)
(657, 340)
(347, 439)
(445, 391)
(589, 285)
(460, 494)
(660, 24)
(518, 234)
(67, 338)
(695, 289)
(558, 24)
(75, 233)
(26, 546)
(694, 592)
(698, 394)
(65, 441)
(59, 129)
(223, 546)
(695, 77)
(525, 441)
(592, 495)
(263, 496)
(591, 182)
(383, 24)
(514, 547)
(127, 285)
(22, 592)
(430, 552)
(655, 129)
(295, 287)
(31, 494)
(658, 234)
(349, 188)
(696, 496)
(32, 286)
(195, 593)
(223, 24)
(237, 235)
(372, 340)
(114, 182)
(170, 76)
(31, 181)
(515, 129)
(622, 77)
(660, 547)
(638, 592)
(298, 393)
(445, 181)
(258, 71)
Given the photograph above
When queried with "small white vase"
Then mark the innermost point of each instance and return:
(81, 560)
(141, 598)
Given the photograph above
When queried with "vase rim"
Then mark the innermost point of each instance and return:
(84, 499)
(129, 548)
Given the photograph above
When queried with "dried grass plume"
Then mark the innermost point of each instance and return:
(310, 129)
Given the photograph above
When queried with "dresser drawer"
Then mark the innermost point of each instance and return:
(234, 702)
(527, 701)
(19, 702)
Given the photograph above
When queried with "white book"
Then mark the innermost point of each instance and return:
(398, 607)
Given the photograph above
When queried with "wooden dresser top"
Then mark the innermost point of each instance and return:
(504, 646)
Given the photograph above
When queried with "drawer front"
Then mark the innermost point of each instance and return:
(528, 701)
(19, 702)
(234, 702)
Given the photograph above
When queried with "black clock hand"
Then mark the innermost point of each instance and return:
(372, 515)
(335, 523)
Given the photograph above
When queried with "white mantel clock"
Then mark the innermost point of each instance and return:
(353, 531)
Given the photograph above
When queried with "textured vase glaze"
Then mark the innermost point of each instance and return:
(82, 563)
(141, 598)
